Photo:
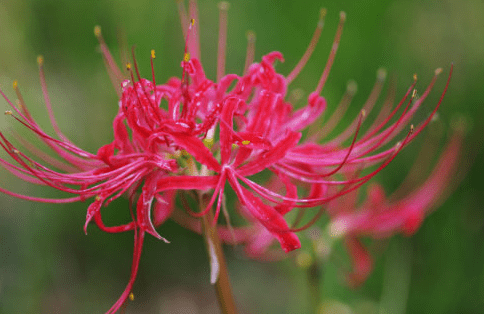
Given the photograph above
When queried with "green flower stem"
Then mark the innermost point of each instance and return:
(222, 285)
(314, 276)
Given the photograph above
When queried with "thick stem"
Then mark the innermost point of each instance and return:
(214, 246)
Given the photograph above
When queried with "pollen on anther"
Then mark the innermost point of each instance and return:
(40, 60)
(342, 16)
(250, 36)
(415, 77)
(352, 87)
(8, 112)
(438, 71)
(98, 198)
(153, 53)
(15, 84)
(186, 57)
(411, 128)
(97, 30)
(192, 22)
(223, 5)
(322, 13)
(363, 113)
(128, 66)
(460, 124)
(414, 93)
(381, 74)
(435, 117)
(131, 296)
(245, 142)
(208, 142)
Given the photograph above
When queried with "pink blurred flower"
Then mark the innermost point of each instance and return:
(197, 134)
(381, 217)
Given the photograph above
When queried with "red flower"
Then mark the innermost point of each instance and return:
(381, 217)
(197, 134)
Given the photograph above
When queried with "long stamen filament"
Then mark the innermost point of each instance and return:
(222, 39)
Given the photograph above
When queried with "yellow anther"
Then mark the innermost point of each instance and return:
(460, 123)
(40, 60)
(223, 5)
(363, 113)
(15, 84)
(414, 93)
(8, 112)
(342, 16)
(15, 151)
(192, 22)
(131, 296)
(435, 117)
(97, 30)
(208, 142)
(234, 146)
(411, 128)
(352, 87)
(322, 13)
(415, 77)
(98, 198)
(245, 142)
(153, 53)
(128, 66)
(186, 57)
(381, 74)
(438, 71)
(177, 154)
(250, 36)
(185, 153)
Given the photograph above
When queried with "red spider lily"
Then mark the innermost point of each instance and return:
(380, 217)
(197, 134)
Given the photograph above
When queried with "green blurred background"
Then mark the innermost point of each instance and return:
(48, 265)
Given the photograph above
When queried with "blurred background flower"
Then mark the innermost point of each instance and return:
(47, 264)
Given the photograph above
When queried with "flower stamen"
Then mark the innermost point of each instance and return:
(249, 58)
(222, 39)
(21, 103)
(195, 42)
(113, 70)
(312, 45)
(341, 108)
(334, 49)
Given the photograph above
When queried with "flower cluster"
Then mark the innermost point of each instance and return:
(197, 135)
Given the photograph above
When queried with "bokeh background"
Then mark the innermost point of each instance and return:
(48, 265)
